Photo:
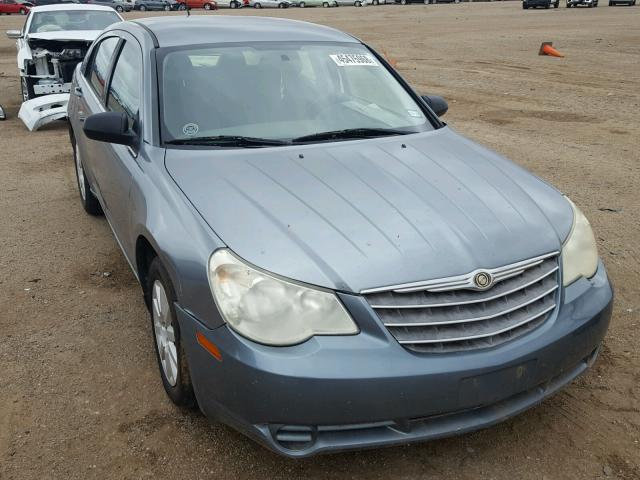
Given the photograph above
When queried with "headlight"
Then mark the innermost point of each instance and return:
(271, 310)
(579, 252)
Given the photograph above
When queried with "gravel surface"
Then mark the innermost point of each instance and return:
(80, 395)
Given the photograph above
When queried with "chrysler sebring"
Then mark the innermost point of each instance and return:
(327, 265)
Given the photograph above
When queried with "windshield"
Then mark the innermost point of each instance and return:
(280, 91)
(56, 21)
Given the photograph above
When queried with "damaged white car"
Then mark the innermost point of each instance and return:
(54, 39)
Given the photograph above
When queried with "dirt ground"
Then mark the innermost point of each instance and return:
(80, 395)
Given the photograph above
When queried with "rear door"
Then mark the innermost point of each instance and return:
(89, 99)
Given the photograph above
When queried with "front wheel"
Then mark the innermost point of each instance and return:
(143, 8)
(23, 11)
(207, 6)
(403, 2)
(172, 359)
(302, 4)
(119, 9)
(27, 89)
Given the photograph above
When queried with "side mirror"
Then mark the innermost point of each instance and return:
(14, 34)
(110, 127)
(438, 104)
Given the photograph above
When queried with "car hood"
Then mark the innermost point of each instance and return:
(76, 35)
(370, 213)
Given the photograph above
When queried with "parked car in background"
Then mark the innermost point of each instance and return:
(407, 2)
(118, 5)
(205, 4)
(269, 3)
(584, 3)
(318, 3)
(41, 3)
(11, 6)
(526, 4)
(144, 5)
(326, 267)
(54, 39)
(354, 3)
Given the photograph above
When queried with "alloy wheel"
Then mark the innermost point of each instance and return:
(164, 333)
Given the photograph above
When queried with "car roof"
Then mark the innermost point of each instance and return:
(173, 31)
(69, 6)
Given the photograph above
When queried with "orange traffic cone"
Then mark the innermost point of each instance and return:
(547, 49)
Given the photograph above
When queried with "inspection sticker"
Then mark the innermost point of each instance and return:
(354, 60)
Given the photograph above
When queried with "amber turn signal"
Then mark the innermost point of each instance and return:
(208, 346)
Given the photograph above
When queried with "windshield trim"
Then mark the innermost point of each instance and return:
(162, 52)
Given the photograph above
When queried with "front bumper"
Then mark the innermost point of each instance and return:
(362, 391)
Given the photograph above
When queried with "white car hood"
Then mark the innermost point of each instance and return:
(86, 35)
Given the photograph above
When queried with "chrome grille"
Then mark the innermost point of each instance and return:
(452, 314)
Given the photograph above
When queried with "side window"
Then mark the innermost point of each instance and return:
(99, 66)
(124, 90)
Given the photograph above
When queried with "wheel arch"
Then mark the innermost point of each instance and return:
(145, 253)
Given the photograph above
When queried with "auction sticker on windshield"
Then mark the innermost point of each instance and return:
(354, 60)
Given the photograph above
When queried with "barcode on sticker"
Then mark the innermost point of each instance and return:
(353, 59)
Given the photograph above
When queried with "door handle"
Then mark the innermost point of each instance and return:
(77, 91)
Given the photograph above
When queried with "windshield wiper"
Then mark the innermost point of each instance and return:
(349, 133)
(228, 141)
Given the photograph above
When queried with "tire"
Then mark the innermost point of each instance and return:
(302, 5)
(26, 86)
(403, 2)
(23, 11)
(87, 198)
(119, 9)
(167, 8)
(325, 5)
(357, 4)
(207, 6)
(142, 8)
(172, 359)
